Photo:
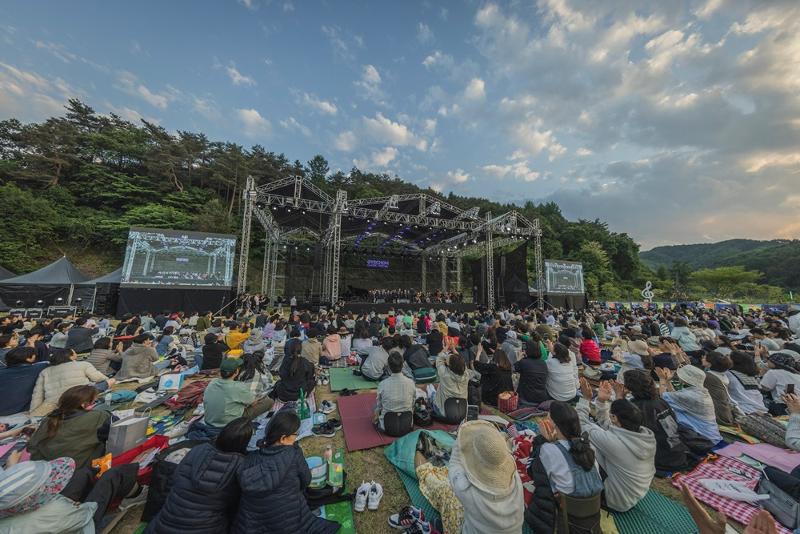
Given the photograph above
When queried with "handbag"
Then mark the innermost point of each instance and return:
(507, 401)
(764, 428)
(127, 433)
(780, 504)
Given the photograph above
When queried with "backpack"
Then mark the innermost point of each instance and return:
(189, 396)
(422, 413)
(474, 393)
(764, 428)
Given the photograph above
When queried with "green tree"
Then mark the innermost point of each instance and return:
(722, 281)
(318, 168)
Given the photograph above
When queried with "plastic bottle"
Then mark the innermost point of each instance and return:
(336, 469)
(328, 454)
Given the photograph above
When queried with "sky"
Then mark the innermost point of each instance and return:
(674, 121)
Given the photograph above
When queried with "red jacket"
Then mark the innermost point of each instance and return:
(590, 351)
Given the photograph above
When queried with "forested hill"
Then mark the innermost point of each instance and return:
(778, 259)
(74, 184)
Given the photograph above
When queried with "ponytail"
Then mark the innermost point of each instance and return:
(70, 402)
(582, 452)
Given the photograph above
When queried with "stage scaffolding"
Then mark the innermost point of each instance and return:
(425, 226)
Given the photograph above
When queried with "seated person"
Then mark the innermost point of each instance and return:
(214, 349)
(562, 373)
(255, 342)
(435, 342)
(744, 383)
(18, 379)
(453, 381)
(106, 359)
(375, 365)
(273, 481)
(671, 453)
(716, 383)
(63, 373)
(781, 372)
(166, 341)
(692, 405)
(55, 496)
(203, 499)
(226, 399)
(362, 341)
(396, 393)
(296, 373)
(138, 360)
(496, 376)
(74, 429)
(254, 373)
(237, 336)
(312, 348)
(532, 369)
(79, 337)
(415, 356)
(562, 462)
(590, 352)
(625, 449)
(332, 344)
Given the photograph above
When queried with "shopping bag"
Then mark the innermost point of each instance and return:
(153, 445)
(127, 433)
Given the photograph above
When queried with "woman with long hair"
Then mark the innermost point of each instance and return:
(165, 340)
(533, 371)
(255, 373)
(273, 482)
(296, 373)
(744, 383)
(495, 376)
(562, 373)
(73, 429)
(562, 461)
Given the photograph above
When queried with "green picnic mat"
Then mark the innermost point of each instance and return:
(343, 378)
(655, 513)
(342, 513)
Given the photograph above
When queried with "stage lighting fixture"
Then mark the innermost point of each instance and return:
(78, 300)
(40, 302)
(18, 303)
(304, 212)
(260, 205)
(59, 300)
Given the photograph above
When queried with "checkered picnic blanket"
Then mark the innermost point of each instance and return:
(727, 469)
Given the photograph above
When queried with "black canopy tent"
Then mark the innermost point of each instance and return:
(5, 273)
(60, 279)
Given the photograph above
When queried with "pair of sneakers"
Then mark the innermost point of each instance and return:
(412, 520)
(368, 496)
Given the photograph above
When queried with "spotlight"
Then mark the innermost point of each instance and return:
(39, 302)
(18, 303)
(58, 300)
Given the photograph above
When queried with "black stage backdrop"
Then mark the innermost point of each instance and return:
(510, 278)
(136, 300)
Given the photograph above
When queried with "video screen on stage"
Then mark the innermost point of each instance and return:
(177, 258)
(563, 277)
(377, 264)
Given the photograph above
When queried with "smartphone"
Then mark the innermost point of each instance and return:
(790, 389)
(472, 412)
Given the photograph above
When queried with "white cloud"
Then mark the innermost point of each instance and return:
(438, 59)
(130, 114)
(518, 169)
(57, 50)
(430, 126)
(370, 85)
(424, 33)
(475, 90)
(380, 158)
(237, 77)
(345, 141)
(130, 84)
(323, 106)
(458, 176)
(29, 96)
(583, 152)
(205, 107)
(394, 133)
(340, 47)
(532, 140)
(253, 123)
(288, 7)
(249, 4)
(292, 124)
(708, 8)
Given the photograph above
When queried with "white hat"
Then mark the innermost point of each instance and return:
(488, 464)
(694, 376)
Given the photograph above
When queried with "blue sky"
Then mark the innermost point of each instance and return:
(674, 121)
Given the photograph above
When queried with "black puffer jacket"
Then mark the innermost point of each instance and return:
(272, 482)
(541, 513)
(203, 496)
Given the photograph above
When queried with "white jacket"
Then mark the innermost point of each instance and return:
(627, 457)
(56, 379)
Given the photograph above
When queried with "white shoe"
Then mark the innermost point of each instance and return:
(361, 497)
(375, 495)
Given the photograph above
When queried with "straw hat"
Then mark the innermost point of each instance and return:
(692, 375)
(638, 347)
(488, 464)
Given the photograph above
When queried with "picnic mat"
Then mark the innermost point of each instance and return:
(356, 413)
(342, 513)
(343, 378)
(655, 513)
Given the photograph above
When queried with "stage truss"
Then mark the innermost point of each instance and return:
(440, 231)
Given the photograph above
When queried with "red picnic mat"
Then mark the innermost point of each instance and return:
(356, 412)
